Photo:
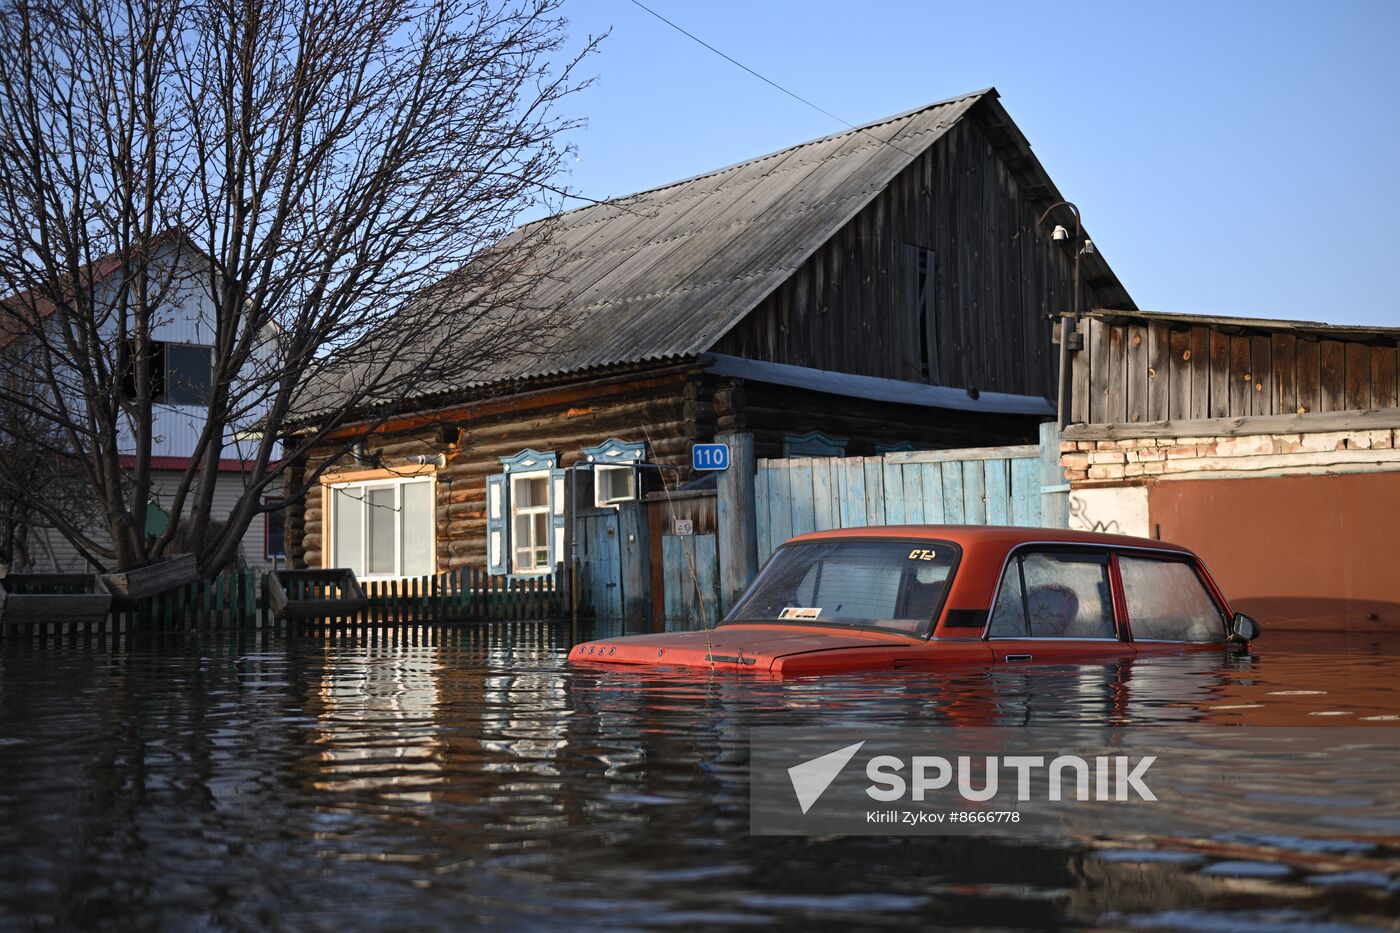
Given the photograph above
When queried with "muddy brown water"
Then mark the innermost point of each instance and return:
(440, 779)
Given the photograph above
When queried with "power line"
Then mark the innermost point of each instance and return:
(794, 95)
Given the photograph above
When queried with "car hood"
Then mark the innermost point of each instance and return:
(737, 647)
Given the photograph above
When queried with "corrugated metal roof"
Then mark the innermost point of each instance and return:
(666, 272)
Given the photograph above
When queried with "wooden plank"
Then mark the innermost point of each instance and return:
(912, 476)
(853, 493)
(1219, 375)
(1099, 351)
(1383, 377)
(1284, 350)
(892, 481)
(1025, 492)
(1307, 371)
(953, 511)
(1079, 363)
(974, 494)
(1241, 378)
(803, 508)
(1179, 364)
(1158, 371)
(1332, 377)
(1261, 367)
(1136, 372)
(996, 486)
(1199, 348)
(874, 490)
(931, 481)
(1358, 380)
(780, 502)
(1117, 384)
(706, 582)
(736, 519)
(826, 511)
(961, 454)
(1239, 427)
(763, 540)
(675, 577)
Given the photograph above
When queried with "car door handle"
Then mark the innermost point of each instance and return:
(1018, 657)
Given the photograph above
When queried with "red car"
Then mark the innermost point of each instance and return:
(920, 596)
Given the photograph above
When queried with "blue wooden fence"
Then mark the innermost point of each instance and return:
(976, 486)
(691, 577)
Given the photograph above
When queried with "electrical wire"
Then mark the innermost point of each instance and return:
(769, 81)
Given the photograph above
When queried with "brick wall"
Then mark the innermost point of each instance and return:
(1133, 460)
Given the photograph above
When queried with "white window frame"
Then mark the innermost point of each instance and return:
(361, 490)
(546, 509)
(602, 468)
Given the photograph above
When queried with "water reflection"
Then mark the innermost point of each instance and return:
(438, 778)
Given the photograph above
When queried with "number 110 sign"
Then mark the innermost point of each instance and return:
(709, 457)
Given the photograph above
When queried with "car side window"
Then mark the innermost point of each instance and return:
(1054, 594)
(1168, 602)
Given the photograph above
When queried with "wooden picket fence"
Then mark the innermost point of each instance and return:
(237, 601)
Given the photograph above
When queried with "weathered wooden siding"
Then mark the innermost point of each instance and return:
(853, 306)
(1140, 369)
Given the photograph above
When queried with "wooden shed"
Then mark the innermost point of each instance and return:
(1271, 447)
(885, 288)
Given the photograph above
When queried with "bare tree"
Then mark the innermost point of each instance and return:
(325, 176)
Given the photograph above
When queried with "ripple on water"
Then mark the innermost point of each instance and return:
(471, 777)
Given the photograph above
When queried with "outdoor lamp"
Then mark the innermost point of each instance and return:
(1089, 247)
(1059, 233)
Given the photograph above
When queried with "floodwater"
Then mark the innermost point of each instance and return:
(443, 779)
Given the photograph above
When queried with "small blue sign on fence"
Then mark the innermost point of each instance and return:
(709, 457)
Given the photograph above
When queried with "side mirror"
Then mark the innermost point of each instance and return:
(1243, 628)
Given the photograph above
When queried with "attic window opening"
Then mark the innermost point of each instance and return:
(919, 279)
(178, 373)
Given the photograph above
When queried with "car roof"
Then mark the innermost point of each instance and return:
(991, 536)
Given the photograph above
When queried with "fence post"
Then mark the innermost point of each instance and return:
(737, 537)
(1054, 490)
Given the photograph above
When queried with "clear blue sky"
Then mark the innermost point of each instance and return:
(1229, 157)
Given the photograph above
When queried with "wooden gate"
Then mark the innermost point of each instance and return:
(600, 562)
(975, 486)
(615, 562)
(691, 573)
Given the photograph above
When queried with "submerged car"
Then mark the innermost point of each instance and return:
(922, 596)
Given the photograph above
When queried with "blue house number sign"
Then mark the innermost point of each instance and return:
(709, 457)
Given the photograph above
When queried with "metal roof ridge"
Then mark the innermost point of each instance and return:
(623, 198)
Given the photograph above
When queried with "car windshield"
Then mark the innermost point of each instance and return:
(895, 585)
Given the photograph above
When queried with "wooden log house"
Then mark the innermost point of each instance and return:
(881, 289)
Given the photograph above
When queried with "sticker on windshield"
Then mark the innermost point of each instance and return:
(796, 612)
(922, 554)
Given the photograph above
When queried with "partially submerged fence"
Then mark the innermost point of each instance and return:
(238, 601)
(976, 486)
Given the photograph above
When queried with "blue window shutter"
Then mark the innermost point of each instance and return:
(558, 516)
(497, 524)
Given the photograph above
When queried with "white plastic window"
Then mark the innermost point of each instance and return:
(383, 529)
(529, 516)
